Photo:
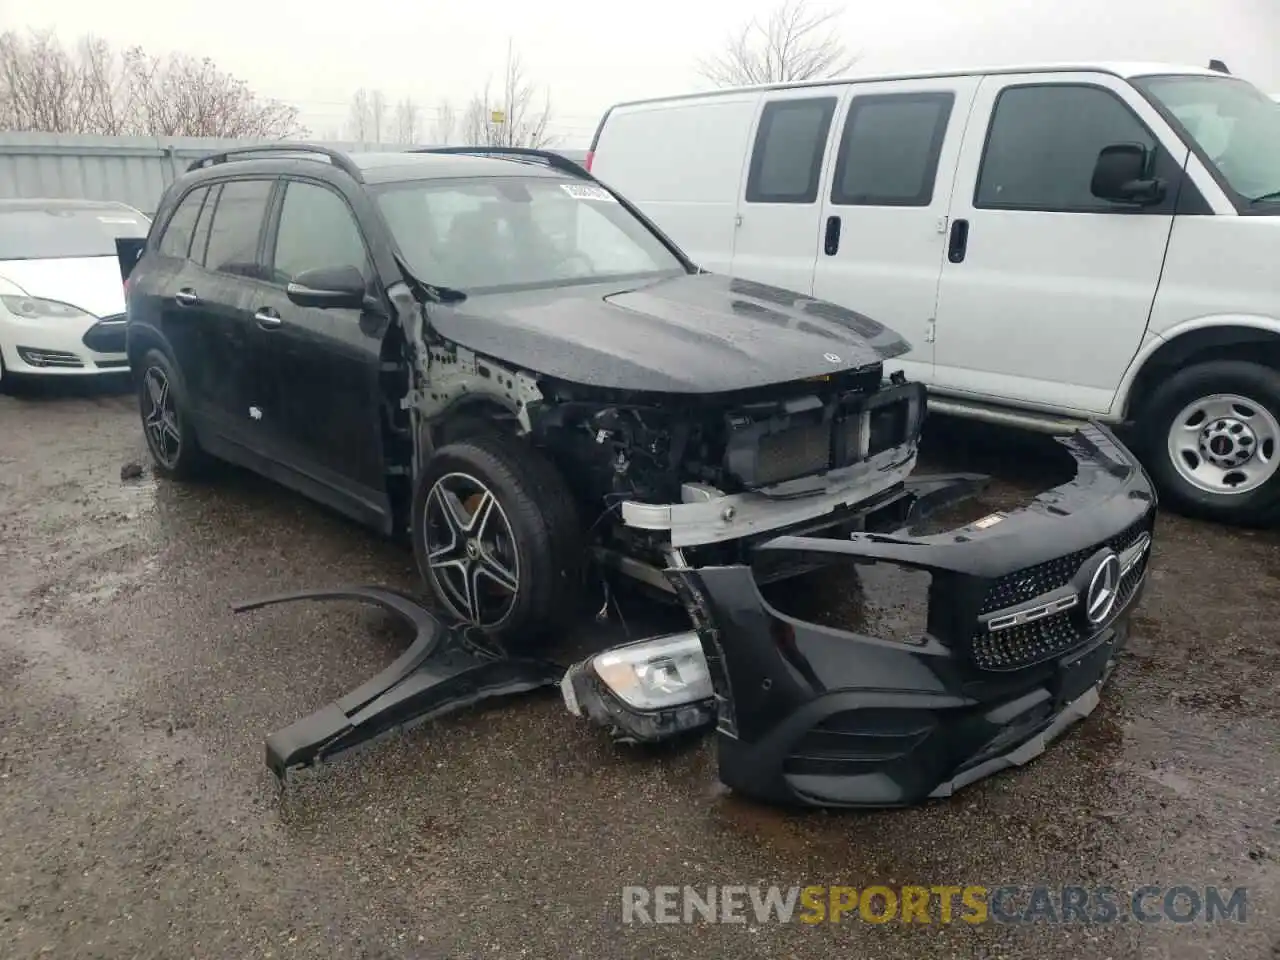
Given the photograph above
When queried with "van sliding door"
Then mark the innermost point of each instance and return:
(882, 233)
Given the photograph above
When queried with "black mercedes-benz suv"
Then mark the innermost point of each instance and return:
(498, 354)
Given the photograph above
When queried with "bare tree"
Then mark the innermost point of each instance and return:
(443, 126)
(359, 118)
(377, 114)
(188, 97)
(408, 121)
(512, 118)
(795, 42)
(92, 89)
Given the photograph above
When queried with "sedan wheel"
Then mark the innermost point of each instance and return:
(471, 551)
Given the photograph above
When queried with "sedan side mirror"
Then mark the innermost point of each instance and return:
(1122, 175)
(328, 287)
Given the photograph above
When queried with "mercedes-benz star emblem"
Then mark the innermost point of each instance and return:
(1103, 591)
(831, 357)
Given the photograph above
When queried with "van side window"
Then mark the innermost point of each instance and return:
(889, 150)
(1043, 143)
(786, 162)
(237, 225)
(176, 239)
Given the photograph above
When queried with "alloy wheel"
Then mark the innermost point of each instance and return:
(471, 550)
(160, 417)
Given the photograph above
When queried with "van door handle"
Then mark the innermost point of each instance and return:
(267, 318)
(186, 297)
(831, 242)
(958, 245)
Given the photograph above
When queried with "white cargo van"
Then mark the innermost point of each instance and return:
(1059, 243)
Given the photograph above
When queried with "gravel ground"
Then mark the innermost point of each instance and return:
(137, 818)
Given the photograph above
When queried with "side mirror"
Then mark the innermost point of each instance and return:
(328, 287)
(1122, 175)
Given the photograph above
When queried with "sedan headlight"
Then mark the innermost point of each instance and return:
(657, 673)
(35, 308)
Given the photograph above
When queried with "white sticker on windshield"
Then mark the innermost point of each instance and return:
(585, 191)
(128, 220)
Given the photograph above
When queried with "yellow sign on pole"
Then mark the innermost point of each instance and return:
(498, 116)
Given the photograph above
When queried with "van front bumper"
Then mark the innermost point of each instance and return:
(1027, 614)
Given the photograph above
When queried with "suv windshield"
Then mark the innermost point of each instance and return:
(1233, 123)
(505, 233)
(46, 233)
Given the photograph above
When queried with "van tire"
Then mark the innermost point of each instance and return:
(1210, 427)
(535, 516)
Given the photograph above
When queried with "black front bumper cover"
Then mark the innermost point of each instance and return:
(817, 716)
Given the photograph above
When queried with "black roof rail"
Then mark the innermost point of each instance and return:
(336, 157)
(552, 159)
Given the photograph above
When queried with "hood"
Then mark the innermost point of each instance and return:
(90, 283)
(700, 333)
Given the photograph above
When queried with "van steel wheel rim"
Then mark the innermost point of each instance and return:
(1225, 444)
(471, 550)
(160, 419)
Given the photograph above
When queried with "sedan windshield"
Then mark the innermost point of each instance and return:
(1233, 123)
(507, 233)
(30, 232)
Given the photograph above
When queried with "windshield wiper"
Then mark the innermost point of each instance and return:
(1266, 197)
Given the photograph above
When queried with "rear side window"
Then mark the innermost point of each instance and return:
(237, 225)
(176, 239)
(200, 239)
(786, 162)
(889, 150)
(1043, 144)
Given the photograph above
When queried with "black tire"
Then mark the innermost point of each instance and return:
(544, 547)
(1256, 418)
(179, 458)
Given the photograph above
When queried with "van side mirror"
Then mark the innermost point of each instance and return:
(328, 287)
(1122, 175)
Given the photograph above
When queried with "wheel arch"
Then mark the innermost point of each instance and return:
(1248, 338)
(468, 415)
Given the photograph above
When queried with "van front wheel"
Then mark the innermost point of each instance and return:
(1211, 433)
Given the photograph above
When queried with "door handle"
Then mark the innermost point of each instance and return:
(958, 245)
(267, 318)
(186, 297)
(831, 242)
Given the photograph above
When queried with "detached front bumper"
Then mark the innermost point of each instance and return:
(1026, 614)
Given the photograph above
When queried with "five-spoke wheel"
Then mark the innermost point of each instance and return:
(471, 550)
(497, 538)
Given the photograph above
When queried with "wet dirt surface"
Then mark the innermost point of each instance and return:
(137, 818)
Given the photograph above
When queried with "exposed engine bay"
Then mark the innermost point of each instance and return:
(705, 473)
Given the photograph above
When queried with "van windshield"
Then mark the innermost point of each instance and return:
(507, 233)
(1233, 123)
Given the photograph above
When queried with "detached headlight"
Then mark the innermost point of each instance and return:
(34, 308)
(653, 674)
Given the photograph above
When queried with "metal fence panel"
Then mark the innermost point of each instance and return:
(132, 170)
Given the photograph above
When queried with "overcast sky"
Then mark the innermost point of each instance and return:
(315, 53)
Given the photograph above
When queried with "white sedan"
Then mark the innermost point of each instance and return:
(61, 294)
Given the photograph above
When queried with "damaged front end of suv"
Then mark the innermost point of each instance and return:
(710, 441)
